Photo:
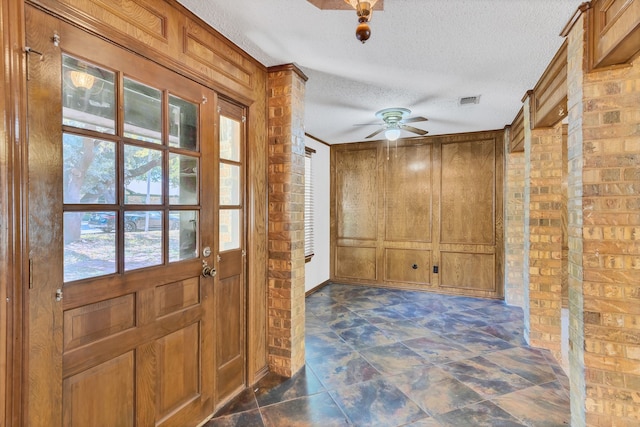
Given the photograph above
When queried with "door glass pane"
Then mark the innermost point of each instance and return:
(229, 139)
(142, 239)
(183, 123)
(229, 229)
(89, 251)
(88, 96)
(229, 184)
(142, 112)
(183, 233)
(183, 179)
(89, 170)
(142, 176)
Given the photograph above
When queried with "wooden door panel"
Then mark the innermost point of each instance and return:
(177, 296)
(357, 194)
(468, 271)
(408, 266)
(178, 358)
(99, 320)
(230, 349)
(229, 296)
(468, 192)
(230, 264)
(408, 194)
(356, 262)
(102, 395)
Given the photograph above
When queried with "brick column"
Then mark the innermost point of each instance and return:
(575, 60)
(286, 87)
(611, 247)
(545, 239)
(604, 281)
(514, 229)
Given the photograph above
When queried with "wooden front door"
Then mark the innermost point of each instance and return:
(121, 319)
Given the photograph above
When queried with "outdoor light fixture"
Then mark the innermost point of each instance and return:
(364, 9)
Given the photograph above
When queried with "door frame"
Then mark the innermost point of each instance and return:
(250, 93)
(12, 169)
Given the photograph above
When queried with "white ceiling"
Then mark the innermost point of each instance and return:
(422, 55)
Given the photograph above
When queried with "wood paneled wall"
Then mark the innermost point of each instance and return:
(428, 216)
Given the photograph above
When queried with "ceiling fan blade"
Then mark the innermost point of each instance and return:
(415, 119)
(414, 130)
(369, 124)
(374, 134)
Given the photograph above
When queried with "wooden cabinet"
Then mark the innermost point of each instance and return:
(428, 216)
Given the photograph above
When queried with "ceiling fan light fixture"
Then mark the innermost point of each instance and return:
(364, 10)
(392, 134)
(363, 30)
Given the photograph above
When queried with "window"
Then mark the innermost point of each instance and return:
(130, 180)
(308, 204)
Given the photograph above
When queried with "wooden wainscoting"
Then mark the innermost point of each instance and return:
(427, 216)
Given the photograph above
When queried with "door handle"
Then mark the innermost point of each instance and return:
(207, 271)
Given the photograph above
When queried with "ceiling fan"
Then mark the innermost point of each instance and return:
(394, 121)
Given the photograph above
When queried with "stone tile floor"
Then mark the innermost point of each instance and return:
(381, 357)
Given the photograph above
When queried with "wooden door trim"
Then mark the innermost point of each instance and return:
(42, 393)
(12, 168)
(170, 51)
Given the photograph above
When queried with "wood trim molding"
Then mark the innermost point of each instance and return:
(288, 68)
(574, 18)
(174, 37)
(613, 33)
(549, 96)
(516, 133)
(12, 168)
(317, 140)
(317, 288)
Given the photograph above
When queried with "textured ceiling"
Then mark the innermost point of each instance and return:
(423, 55)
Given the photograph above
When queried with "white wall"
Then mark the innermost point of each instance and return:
(317, 270)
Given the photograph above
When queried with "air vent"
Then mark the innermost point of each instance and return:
(468, 100)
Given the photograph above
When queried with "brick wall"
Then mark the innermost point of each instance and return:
(545, 238)
(514, 230)
(611, 251)
(286, 86)
(604, 228)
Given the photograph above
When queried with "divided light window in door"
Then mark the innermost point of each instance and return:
(131, 173)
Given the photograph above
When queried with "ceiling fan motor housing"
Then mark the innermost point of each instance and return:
(393, 116)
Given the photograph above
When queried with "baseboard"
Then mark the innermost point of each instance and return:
(317, 288)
